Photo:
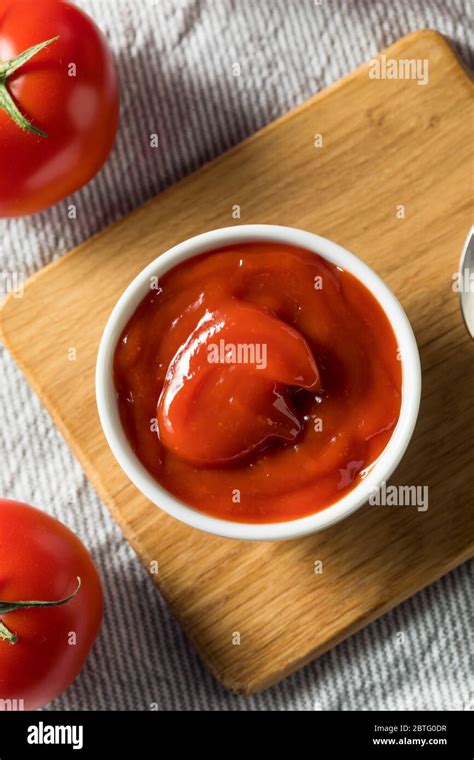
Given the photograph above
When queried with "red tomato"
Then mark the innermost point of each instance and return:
(68, 90)
(41, 559)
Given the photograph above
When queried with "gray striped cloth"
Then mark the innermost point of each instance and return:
(174, 59)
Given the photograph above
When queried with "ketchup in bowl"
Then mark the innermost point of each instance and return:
(258, 383)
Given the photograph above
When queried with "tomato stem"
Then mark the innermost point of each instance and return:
(7, 104)
(7, 635)
(5, 607)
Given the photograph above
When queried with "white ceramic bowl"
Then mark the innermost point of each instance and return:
(380, 471)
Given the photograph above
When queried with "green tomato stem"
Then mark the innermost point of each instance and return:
(12, 638)
(5, 607)
(7, 104)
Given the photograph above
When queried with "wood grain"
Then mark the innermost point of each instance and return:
(386, 143)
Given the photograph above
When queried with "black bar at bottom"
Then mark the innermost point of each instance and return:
(311, 734)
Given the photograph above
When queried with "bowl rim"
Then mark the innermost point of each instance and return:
(379, 471)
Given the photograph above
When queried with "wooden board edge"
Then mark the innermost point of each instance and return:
(84, 461)
(248, 688)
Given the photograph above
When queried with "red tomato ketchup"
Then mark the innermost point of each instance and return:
(258, 382)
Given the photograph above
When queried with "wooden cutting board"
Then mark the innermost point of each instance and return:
(391, 182)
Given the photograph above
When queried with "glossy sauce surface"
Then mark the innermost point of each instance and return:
(258, 382)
